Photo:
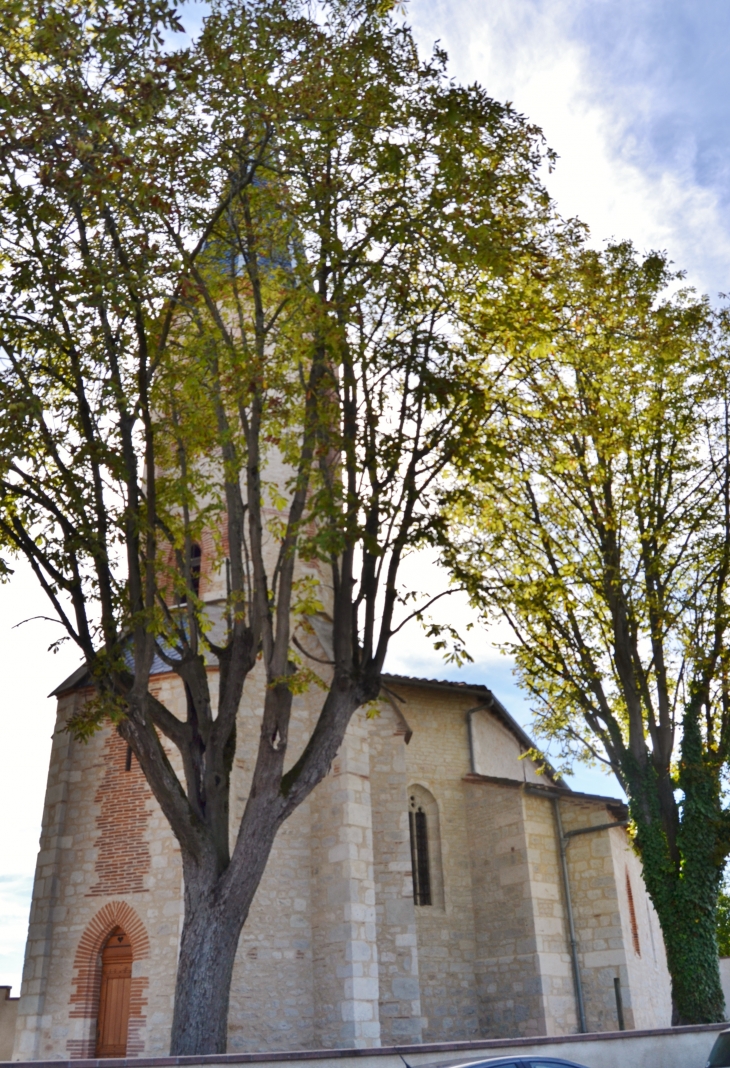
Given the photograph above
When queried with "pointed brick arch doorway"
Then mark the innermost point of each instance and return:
(116, 981)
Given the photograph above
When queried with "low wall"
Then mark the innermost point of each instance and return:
(671, 1047)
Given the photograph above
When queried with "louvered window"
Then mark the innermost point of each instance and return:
(196, 558)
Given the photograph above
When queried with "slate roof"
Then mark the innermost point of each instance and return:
(79, 678)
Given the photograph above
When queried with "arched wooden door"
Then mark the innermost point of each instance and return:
(116, 979)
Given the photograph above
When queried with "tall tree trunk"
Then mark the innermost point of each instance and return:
(216, 908)
(686, 906)
(683, 878)
(208, 946)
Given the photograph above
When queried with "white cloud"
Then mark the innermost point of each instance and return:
(528, 53)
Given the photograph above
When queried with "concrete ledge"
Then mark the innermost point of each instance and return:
(667, 1047)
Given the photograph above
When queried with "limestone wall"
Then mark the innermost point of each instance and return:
(106, 851)
(335, 952)
(272, 990)
(725, 980)
(438, 759)
(395, 914)
(507, 968)
(343, 924)
(600, 933)
(551, 931)
(496, 751)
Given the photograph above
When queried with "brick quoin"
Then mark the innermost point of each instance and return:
(84, 999)
(123, 856)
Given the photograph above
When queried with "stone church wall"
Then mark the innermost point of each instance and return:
(437, 758)
(551, 932)
(507, 969)
(344, 931)
(602, 945)
(335, 952)
(649, 994)
(76, 880)
(8, 1022)
(395, 912)
(272, 991)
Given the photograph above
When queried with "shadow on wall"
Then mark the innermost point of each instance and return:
(8, 1017)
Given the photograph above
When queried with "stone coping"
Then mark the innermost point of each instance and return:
(285, 1056)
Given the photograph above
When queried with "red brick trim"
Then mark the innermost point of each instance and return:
(122, 850)
(84, 999)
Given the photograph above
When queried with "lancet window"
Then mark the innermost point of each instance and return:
(419, 853)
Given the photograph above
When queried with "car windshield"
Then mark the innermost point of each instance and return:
(720, 1054)
(543, 1062)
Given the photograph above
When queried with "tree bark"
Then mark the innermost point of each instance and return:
(208, 947)
(215, 911)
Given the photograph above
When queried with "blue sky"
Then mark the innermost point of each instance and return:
(634, 95)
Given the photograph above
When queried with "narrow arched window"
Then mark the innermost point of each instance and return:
(196, 554)
(632, 916)
(419, 853)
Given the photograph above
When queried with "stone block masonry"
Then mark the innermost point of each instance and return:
(395, 913)
(346, 974)
(336, 952)
(8, 1022)
(507, 964)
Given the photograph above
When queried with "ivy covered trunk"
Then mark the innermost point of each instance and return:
(683, 856)
(688, 926)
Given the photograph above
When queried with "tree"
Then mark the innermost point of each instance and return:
(604, 540)
(251, 254)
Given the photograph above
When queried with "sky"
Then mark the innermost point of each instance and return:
(634, 96)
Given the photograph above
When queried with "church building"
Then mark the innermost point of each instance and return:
(434, 887)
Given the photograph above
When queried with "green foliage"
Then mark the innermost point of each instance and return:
(244, 288)
(604, 540)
